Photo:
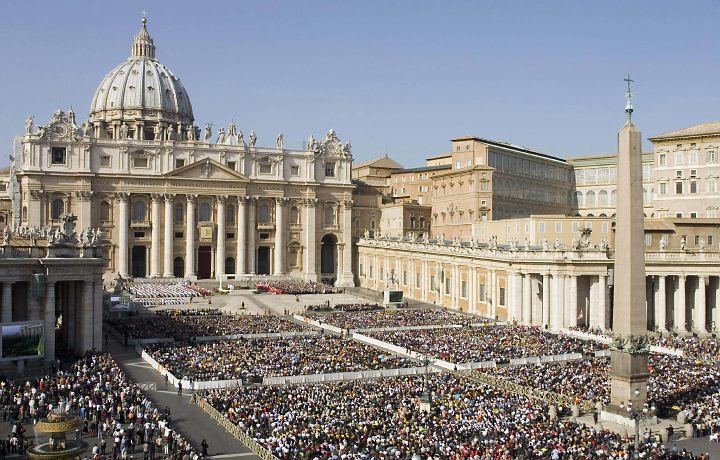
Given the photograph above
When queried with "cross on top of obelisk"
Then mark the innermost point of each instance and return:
(628, 98)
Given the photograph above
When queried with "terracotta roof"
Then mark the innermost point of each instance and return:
(703, 129)
(381, 162)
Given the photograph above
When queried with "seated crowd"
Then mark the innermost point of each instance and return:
(381, 419)
(673, 381)
(190, 312)
(162, 290)
(95, 389)
(294, 286)
(487, 343)
(345, 307)
(183, 327)
(253, 359)
(393, 318)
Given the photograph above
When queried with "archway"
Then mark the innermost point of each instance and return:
(328, 258)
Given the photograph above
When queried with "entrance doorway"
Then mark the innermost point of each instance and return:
(328, 258)
(263, 260)
(139, 262)
(178, 267)
(204, 261)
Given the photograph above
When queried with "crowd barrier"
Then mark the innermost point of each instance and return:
(140, 342)
(342, 376)
(667, 351)
(559, 358)
(480, 365)
(234, 430)
(319, 324)
(387, 346)
(267, 335)
(584, 335)
(524, 361)
(173, 380)
(599, 353)
(407, 328)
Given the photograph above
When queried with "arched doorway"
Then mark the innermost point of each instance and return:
(328, 258)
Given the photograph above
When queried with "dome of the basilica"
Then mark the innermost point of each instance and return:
(141, 89)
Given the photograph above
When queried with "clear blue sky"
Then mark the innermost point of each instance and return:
(401, 77)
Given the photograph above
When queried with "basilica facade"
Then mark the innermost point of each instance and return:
(172, 199)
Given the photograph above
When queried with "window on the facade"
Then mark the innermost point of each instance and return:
(663, 188)
(448, 286)
(178, 213)
(418, 279)
(295, 215)
(710, 240)
(105, 161)
(232, 165)
(501, 300)
(693, 215)
(711, 157)
(294, 170)
(330, 169)
(264, 168)
(329, 216)
(140, 162)
(179, 163)
(678, 188)
(481, 292)
(57, 155)
(648, 239)
(679, 158)
(105, 214)
(433, 284)
(663, 159)
(230, 214)
(58, 208)
(693, 186)
(541, 227)
(558, 227)
(603, 197)
(463, 289)
(204, 212)
(139, 211)
(264, 214)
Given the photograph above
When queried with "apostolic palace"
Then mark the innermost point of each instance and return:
(488, 227)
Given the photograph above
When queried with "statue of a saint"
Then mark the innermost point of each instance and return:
(279, 141)
(170, 133)
(221, 136)
(253, 138)
(241, 139)
(124, 130)
(207, 135)
(28, 125)
(311, 143)
(156, 132)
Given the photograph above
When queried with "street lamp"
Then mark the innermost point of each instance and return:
(637, 414)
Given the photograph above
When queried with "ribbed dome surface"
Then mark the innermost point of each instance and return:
(142, 83)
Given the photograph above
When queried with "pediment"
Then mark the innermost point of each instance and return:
(206, 169)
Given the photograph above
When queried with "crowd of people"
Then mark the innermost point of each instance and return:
(185, 326)
(673, 382)
(177, 290)
(382, 419)
(354, 307)
(112, 409)
(363, 319)
(294, 286)
(487, 343)
(190, 312)
(253, 359)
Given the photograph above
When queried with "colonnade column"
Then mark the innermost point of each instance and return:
(680, 304)
(85, 306)
(155, 236)
(472, 285)
(252, 231)
(168, 268)
(661, 305)
(527, 298)
(557, 313)
(546, 300)
(241, 236)
(97, 315)
(601, 313)
(699, 318)
(7, 302)
(310, 243)
(424, 283)
(49, 317)
(190, 236)
(492, 291)
(515, 297)
(123, 207)
(571, 314)
(280, 246)
(220, 251)
(345, 277)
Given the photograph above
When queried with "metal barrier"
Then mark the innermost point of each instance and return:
(233, 429)
(148, 386)
(511, 387)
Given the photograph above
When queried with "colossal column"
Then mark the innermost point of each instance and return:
(220, 251)
(252, 231)
(280, 247)
(85, 208)
(49, 316)
(571, 313)
(168, 268)
(310, 244)
(7, 302)
(123, 206)
(346, 276)
(155, 235)
(629, 350)
(190, 237)
(699, 318)
(241, 235)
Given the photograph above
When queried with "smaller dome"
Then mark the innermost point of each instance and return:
(142, 89)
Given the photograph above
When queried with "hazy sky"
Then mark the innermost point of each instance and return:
(401, 77)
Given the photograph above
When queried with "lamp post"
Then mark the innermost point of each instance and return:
(425, 397)
(637, 414)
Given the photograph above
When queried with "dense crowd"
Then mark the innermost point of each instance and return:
(487, 343)
(705, 348)
(112, 408)
(345, 307)
(190, 312)
(381, 419)
(295, 287)
(184, 327)
(253, 359)
(393, 318)
(165, 290)
(673, 381)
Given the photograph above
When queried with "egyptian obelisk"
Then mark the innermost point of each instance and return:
(629, 351)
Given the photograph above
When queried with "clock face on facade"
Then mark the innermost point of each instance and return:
(60, 129)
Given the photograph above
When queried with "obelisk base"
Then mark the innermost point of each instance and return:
(628, 379)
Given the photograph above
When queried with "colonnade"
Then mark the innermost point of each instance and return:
(684, 302)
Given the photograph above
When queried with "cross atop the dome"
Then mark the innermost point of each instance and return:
(144, 16)
(628, 97)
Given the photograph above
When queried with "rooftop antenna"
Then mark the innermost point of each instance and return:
(628, 98)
